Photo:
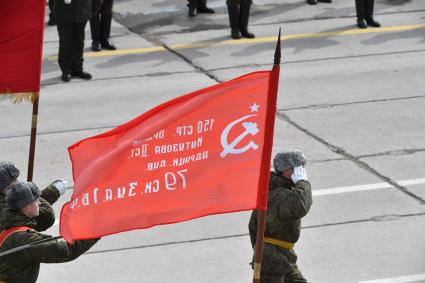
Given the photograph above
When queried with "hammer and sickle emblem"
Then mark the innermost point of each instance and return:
(250, 129)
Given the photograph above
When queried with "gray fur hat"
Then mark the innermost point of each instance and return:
(8, 174)
(21, 194)
(288, 159)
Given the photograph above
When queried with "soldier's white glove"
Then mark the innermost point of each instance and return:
(60, 185)
(299, 174)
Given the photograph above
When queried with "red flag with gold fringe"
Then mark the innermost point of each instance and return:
(207, 152)
(21, 44)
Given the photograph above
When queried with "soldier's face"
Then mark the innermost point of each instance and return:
(288, 173)
(32, 209)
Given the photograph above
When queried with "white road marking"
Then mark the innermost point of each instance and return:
(367, 187)
(351, 189)
(403, 279)
(412, 182)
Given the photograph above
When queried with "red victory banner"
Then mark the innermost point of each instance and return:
(207, 152)
(21, 44)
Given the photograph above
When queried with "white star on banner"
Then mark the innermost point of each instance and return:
(254, 107)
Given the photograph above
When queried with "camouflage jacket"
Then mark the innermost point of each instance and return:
(287, 204)
(24, 266)
(46, 217)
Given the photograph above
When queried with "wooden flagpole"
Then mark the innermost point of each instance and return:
(258, 253)
(36, 98)
(33, 139)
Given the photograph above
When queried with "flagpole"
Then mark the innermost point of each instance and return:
(35, 98)
(33, 138)
(265, 175)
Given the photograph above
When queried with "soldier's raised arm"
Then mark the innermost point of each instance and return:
(295, 203)
(49, 196)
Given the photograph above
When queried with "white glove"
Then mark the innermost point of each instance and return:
(299, 174)
(60, 185)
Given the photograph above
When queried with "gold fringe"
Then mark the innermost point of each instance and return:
(17, 98)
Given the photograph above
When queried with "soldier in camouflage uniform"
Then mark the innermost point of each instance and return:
(289, 200)
(23, 266)
(238, 17)
(9, 175)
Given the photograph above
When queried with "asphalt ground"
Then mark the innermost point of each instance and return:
(351, 100)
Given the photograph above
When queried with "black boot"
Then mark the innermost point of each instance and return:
(81, 74)
(311, 2)
(66, 77)
(233, 10)
(243, 19)
(192, 5)
(95, 46)
(203, 9)
(108, 45)
(371, 22)
(361, 23)
(369, 14)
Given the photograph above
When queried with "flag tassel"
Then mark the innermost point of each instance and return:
(17, 98)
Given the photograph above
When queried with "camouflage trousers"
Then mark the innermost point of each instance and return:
(294, 275)
(279, 265)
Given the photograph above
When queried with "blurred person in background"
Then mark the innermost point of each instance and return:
(71, 18)
(238, 17)
(100, 26)
(364, 10)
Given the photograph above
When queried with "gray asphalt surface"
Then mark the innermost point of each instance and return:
(353, 102)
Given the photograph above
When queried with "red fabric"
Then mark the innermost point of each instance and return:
(119, 187)
(21, 44)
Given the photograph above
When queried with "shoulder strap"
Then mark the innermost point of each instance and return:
(6, 233)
